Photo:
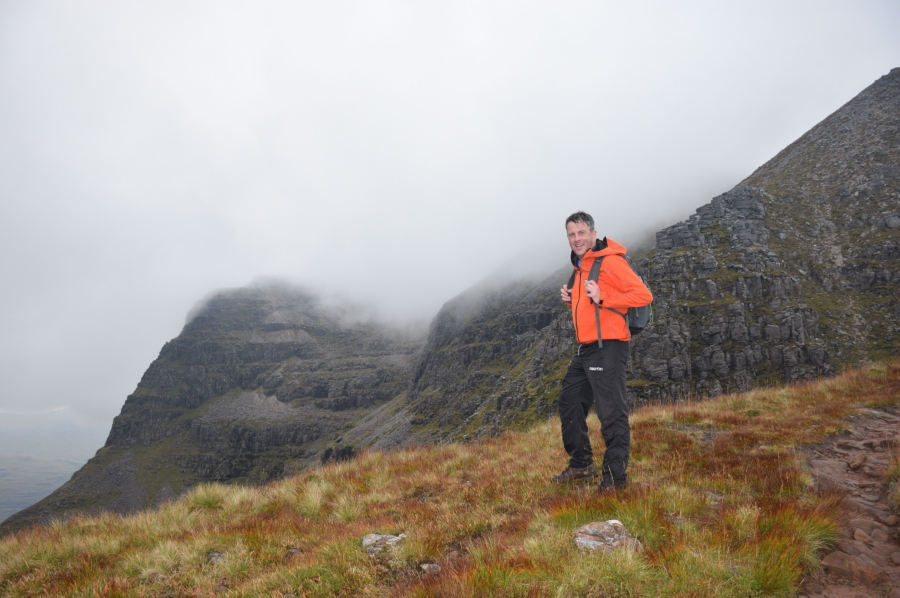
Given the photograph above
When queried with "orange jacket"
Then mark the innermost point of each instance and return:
(620, 288)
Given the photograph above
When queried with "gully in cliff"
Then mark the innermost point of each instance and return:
(596, 373)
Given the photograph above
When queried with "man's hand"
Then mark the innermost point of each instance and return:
(592, 290)
(565, 294)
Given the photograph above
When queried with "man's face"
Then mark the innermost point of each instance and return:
(581, 238)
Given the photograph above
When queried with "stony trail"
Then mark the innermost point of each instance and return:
(866, 562)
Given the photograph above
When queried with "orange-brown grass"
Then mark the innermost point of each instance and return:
(720, 500)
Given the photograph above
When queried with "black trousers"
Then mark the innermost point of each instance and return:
(597, 376)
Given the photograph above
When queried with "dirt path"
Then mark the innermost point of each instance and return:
(866, 563)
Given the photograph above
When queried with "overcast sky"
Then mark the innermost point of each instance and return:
(395, 152)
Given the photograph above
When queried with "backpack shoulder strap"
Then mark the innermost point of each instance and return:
(595, 268)
(595, 276)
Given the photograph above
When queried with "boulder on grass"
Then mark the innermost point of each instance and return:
(605, 536)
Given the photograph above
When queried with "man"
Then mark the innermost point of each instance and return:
(596, 374)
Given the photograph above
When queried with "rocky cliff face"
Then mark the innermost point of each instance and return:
(730, 310)
(261, 382)
(792, 274)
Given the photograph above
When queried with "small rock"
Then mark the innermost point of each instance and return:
(883, 549)
(291, 553)
(375, 543)
(848, 567)
(896, 558)
(857, 461)
(866, 525)
(713, 497)
(895, 593)
(605, 536)
(889, 520)
(215, 557)
(878, 535)
(861, 536)
(430, 568)
(829, 467)
(827, 483)
(871, 555)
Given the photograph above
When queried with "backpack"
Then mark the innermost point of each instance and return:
(637, 318)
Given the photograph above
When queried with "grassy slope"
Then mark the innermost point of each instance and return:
(719, 498)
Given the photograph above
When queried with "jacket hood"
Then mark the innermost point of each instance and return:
(603, 247)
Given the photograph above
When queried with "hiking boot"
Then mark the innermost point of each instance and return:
(575, 474)
(608, 485)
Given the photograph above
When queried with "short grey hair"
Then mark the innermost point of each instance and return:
(581, 217)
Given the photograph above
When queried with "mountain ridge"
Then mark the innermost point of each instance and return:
(260, 382)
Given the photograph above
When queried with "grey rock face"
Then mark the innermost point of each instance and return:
(738, 217)
(725, 305)
(775, 280)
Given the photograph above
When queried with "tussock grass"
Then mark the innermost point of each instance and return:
(719, 498)
(209, 496)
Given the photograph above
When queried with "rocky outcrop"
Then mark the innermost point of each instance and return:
(792, 273)
(729, 310)
(261, 382)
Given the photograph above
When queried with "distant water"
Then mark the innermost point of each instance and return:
(24, 480)
(40, 452)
